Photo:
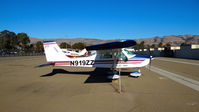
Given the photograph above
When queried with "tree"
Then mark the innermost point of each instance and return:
(31, 47)
(39, 46)
(153, 46)
(23, 40)
(8, 40)
(167, 46)
(148, 46)
(11, 41)
(167, 50)
(141, 45)
(78, 45)
(65, 45)
(160, 44)
(185, 44)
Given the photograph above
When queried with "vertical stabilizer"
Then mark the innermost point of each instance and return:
(53, 52)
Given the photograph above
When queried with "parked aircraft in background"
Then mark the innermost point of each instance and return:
(73, 53)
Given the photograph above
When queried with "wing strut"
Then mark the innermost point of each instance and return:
(116, 58)
(120, 82)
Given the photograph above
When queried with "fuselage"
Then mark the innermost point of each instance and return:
(106, 59)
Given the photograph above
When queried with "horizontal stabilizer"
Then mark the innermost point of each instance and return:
(43, 65)
(112, 45)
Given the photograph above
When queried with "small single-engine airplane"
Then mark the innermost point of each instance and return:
(73, 54)
(112, 55)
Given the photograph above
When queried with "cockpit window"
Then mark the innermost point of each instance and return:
(106, 55)
(129, 52)
(122, 56)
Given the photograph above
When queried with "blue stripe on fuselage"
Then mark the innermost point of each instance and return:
(140, 57)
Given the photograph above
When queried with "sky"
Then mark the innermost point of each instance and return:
(100, 19)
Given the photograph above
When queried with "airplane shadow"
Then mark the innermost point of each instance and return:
(62, 71)
(99, 75)
(96, 76)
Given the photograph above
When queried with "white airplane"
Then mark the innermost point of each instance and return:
(111, 55)
(73, 54)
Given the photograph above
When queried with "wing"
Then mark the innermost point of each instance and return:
(112, 45)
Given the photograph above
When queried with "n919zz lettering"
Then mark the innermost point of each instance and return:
(81, 62)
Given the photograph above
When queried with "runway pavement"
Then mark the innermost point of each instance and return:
(24, 88)
(184, 67)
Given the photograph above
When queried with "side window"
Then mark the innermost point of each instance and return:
(106, 55)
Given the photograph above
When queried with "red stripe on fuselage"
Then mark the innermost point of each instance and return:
(49, 43)
(131, 62)
(62, 63)
(105, 62)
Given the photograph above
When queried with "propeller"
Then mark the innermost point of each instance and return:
(43, 65)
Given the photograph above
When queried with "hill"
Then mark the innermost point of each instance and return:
(87, 41)
(172, 39)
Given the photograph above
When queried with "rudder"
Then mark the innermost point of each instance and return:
(53, 52)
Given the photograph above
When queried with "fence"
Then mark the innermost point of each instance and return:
(8, 53)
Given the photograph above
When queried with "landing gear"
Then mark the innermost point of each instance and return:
(136, 73)
(113, 75)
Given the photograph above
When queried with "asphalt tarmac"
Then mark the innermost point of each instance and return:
(24, 88)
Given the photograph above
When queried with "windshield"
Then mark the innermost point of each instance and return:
(129, 52)
(122, 56)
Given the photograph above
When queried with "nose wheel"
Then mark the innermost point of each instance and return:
(136, 73)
